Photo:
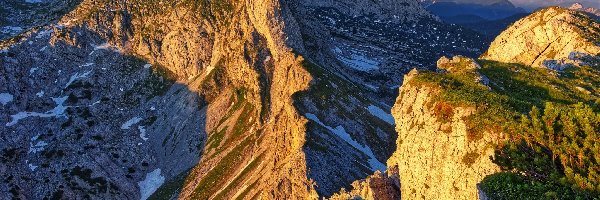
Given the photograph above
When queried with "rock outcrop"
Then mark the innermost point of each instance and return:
(436, 157)
(377, 186)
(546, 38)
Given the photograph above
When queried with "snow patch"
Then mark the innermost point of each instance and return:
(142, 132)
(32, 70)
(87, 65)
(356, 60)
(5, 98)
(106, 46)
(57, 111)
(379, 113)
(37, 147)
(152, 182)
(40, 94)
(132, 121)
(32, 167)
(147, 66)
(340, 132)
(77, 76)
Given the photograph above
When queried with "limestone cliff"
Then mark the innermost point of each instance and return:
(436, 157)
(552, 37)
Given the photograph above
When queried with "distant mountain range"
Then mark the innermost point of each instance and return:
(531, 5)
(582, 8)
(488, 17)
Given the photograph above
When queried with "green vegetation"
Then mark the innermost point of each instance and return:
(557, 147)
(515, 89)
(215, 139)
(506, 185)
(95, 185)
(244, 121)
(328, 86)
(219, 174)
(131, 64)
(551, 153)
(245, 192)
(470, 158)
(244, 173)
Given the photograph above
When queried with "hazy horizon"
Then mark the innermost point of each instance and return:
(534, 4)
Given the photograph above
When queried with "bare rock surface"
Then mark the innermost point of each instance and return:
(435, 156)
(546, 38)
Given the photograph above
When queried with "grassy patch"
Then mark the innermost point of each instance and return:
(237, 181)
(515, 89)
(215, 139)
(220, 174)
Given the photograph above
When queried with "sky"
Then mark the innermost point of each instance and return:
(533, 4)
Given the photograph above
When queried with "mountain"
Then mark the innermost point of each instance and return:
(550, 38)
(490, 10)
(294, 99)
(491, 28)
(217, 99)
(501, 127)
(580, 7)
(488, 18)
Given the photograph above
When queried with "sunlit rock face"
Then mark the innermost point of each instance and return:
(548, 38)
(435, 156)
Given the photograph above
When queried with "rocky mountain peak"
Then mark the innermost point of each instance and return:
(582, 8)
(548, 38)
(576, 6)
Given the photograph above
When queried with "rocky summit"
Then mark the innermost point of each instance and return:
(552, 38)
(292, 99)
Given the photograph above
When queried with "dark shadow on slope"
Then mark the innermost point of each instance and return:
(17, 16)
(341, 133)
(122, 122)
